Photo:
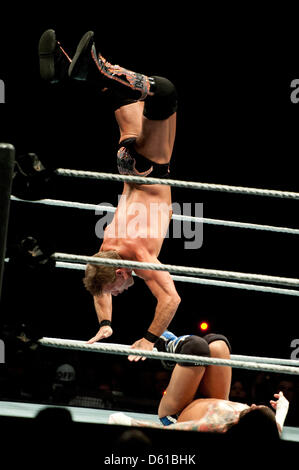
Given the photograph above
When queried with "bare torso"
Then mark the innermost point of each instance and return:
(207, 415)
(211, 414)
(140, 222)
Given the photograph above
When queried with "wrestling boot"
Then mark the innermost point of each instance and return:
(53, 60)
(90, 66)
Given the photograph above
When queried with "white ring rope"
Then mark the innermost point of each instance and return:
(177, 269)
(125, 350)
(189, 218)
(176, 183)
(198, 280)
(267, 360)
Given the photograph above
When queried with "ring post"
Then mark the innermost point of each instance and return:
(7, 161)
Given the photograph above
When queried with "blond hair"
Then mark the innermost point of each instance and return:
(97, 276)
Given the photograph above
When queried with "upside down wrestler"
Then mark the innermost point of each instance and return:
(145, 110)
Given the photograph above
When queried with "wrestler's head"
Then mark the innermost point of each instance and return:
(107, 279)
(258, 421)
(123, 281)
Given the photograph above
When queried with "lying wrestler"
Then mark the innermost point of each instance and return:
(181, 409)
(145, 110)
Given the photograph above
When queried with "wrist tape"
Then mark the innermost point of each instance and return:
(150, 337)
(105, 323)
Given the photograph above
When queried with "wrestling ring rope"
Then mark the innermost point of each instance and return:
(69, 259)
(110, 348)
(238, 361)
(72, 261)
(199, 280)
(177, 183)
(202, 281)
(188, 218)
(287, 281)
(77, 262)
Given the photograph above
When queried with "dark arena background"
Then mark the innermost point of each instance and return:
(238, 124)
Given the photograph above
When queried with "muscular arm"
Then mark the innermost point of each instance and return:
(162, 287)
(103, 306)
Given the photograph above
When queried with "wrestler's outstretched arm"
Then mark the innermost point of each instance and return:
(103, 307)
(162, 287)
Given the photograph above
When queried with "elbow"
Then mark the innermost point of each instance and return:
(169, 302)
(177, 301)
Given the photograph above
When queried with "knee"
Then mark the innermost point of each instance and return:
(167, 404)
(164, 87)
(195, 346)
(219, 348)
(164, 101)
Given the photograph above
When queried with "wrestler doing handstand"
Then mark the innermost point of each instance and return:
(145, 110)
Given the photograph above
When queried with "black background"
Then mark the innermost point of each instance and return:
(236, 125)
